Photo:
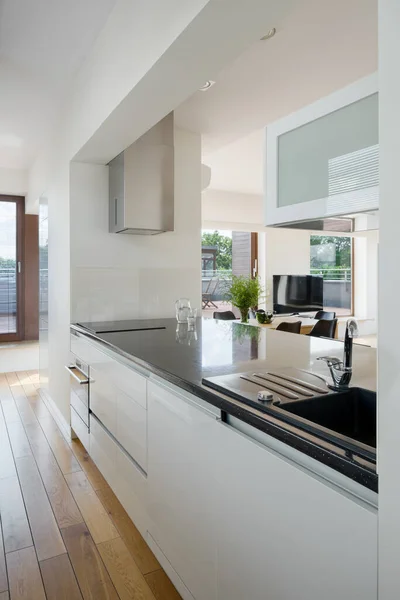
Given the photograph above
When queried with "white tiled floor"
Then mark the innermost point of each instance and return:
(19, 356)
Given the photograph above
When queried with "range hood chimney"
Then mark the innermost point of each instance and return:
(141, 183)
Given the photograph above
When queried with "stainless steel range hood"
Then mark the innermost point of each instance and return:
(141, 183)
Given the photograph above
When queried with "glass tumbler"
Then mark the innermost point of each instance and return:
(182, 309)
(191, 319)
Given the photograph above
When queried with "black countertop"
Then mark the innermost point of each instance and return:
(221, 347)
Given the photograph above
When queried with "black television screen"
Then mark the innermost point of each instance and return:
(298, 293)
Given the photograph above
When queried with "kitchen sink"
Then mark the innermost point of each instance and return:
(302, 399)
(350, 413)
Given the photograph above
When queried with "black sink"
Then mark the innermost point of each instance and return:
(351, 413)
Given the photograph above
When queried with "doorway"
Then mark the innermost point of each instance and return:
(225, 254)
(11, 275)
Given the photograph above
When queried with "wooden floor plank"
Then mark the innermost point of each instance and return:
(3, 571)
(46, 535)
(14, 521)
(10, 411)
(62, 502)
(125, 574)
(59, 579)
(19, 442)
(7, 466)
(93, 512)
(35, 378)
(26, 383)
(96, 479)
(161, 586)
(92, 575)
(39, 407)
(142, 555)
(5, 392)
(63, 453)
(23, 572)
(25, 411)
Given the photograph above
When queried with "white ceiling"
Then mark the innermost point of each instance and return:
(319, 48)
(42, 44)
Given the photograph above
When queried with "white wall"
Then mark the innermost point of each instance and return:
(287, 252)
(116, 276)
(233, 211)
(13, 182)
(366, 279)
(389, 294)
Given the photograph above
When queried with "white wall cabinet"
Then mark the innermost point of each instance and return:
(323, 160)
(183, 443)
(285, 535)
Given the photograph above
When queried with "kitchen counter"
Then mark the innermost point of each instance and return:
(219, 347)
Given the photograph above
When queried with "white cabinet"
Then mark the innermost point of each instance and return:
(284, 534)
(324, 159)
(122, 474)
(103, 398)
(131, 430)
(182, 448)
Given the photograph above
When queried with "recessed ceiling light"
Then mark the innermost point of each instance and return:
(269, 34)
(209, 83)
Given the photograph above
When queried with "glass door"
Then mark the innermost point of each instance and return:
(11, 245)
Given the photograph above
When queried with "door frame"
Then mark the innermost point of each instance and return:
(19, 201)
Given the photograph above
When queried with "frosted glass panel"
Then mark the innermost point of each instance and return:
(335, 154)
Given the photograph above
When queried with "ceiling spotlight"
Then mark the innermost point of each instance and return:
(269, 34)
(209, 83)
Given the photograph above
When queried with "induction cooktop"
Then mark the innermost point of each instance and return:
(122, 326)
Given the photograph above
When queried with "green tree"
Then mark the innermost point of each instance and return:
(343, 251)
(7, 263)
(223, 243)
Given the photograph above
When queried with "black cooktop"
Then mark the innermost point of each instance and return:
(120, 326)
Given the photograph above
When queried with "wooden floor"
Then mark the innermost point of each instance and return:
(64, 535)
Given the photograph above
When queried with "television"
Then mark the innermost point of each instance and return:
(298, 293)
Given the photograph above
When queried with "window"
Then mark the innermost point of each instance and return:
(332, 257)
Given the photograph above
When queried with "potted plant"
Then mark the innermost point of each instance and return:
(244, 293)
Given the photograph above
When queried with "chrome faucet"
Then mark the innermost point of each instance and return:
(342, 370)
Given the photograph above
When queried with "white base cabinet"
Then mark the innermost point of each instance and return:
(182, 488)
(285, 535)
(229, 518)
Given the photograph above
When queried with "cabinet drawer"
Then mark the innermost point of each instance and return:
(103, 451)
(80, 346)
(132, 428)
(103, 399)
(127, 379)
(125, 478)
(130, 382)
(131, 490)
(80, 429)
(79, 407)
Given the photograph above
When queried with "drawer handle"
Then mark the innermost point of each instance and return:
(83, 380)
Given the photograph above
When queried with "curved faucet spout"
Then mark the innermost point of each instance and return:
(341, 371)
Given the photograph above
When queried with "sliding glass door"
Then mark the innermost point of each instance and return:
(11, 248)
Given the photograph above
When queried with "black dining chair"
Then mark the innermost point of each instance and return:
(289, 327)
(325, 315)
(226, 315)
(324, 328)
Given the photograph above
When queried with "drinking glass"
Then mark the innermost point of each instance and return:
(191, 319)
(182, 309)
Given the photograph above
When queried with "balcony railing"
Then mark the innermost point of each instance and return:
(333, 274)
(8, 290)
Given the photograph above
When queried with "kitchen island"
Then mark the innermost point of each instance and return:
(232, 501)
